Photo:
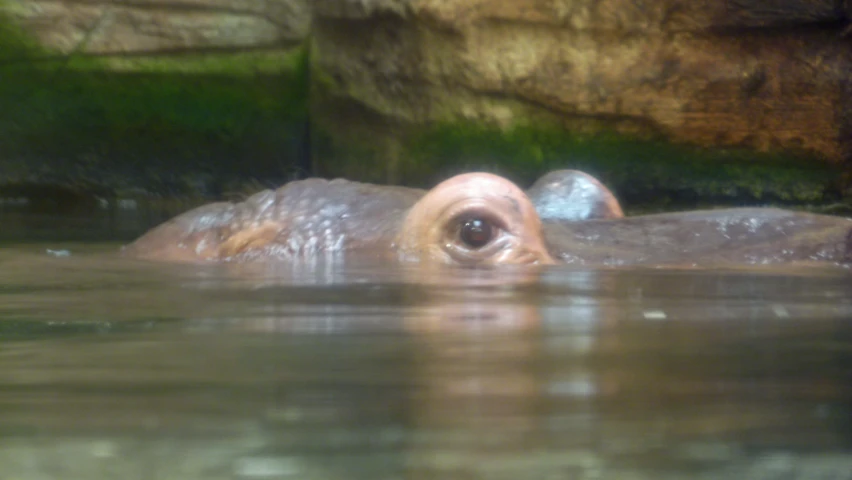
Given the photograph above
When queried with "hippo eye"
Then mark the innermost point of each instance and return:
(476, 232)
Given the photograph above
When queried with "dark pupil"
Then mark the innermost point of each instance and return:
(475, 232)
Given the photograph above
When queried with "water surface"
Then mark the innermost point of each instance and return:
(111, 368)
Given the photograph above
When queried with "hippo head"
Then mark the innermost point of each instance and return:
(474, 219)
(480, 219)
(470, 219)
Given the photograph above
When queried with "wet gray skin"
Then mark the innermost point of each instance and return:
(318, 218)
(725, 237)
(571, 195)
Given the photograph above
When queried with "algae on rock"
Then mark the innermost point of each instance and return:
(196, 122)
(663, 102)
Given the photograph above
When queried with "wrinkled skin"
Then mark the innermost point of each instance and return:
(316, 217)
(483, 219)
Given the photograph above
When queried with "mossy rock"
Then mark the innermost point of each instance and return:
(199, 124)
(206, 125)
(646, 174)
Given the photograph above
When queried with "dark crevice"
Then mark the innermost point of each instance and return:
(173, 52)
(175, 7)
(785, 29)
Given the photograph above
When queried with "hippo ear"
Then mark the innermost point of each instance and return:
(572, 195)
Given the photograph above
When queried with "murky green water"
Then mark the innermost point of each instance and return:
(117, 369)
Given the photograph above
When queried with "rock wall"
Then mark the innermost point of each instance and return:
(147, 26)
(736, 101)
(765, 82)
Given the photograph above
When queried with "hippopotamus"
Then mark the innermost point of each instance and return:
(482, 219)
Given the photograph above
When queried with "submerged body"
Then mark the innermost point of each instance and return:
(724, 237)
(484, 219)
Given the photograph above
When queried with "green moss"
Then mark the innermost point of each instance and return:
(173, 124)
(208, 123)
(15, 45)
(241, 64)
(652, 174)
(352, 139)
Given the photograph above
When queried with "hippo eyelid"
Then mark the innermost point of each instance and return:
(473, 257)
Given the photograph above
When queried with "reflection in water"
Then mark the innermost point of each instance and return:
(118, 369)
